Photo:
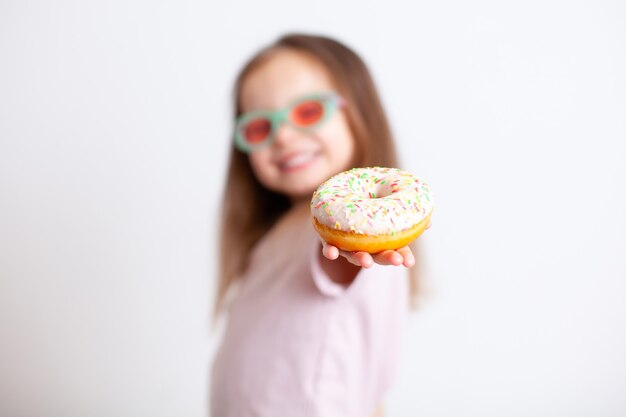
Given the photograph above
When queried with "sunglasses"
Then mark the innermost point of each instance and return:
(257, 129)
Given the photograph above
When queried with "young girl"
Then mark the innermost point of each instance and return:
(312, 330)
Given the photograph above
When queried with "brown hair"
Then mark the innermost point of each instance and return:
(249, 209)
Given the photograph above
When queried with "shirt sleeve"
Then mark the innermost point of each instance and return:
(322, 281)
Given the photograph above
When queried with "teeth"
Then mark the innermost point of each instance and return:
(299, 159)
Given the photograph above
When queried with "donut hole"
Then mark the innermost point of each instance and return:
(380, 190)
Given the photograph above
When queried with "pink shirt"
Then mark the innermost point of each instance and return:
(299, 344)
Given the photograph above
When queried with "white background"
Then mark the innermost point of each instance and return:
(114, 132)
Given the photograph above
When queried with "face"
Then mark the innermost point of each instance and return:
(298, 161)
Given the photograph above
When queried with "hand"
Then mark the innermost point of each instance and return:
(402, 256)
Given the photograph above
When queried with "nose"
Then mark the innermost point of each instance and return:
(285, 134)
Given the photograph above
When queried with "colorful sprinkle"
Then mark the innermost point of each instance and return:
(372, 201)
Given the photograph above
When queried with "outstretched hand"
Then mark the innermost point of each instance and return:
(402, 256)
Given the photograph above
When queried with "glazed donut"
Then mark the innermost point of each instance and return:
(371, 209)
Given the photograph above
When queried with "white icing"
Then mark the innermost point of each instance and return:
(372, 201)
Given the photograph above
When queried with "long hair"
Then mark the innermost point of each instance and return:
(249, 209)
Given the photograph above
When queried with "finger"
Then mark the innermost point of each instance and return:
(388, 257)
(329, 251)
(362, 259)
(349, 257)
(365, 259)
(407, 256)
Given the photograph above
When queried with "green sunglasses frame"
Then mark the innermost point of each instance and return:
(330, 101)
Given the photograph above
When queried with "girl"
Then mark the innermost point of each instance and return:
(312, 330)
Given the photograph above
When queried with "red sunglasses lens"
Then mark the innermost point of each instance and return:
(257, 130)
(307, 113)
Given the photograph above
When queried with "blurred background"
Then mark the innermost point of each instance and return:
(114, 131)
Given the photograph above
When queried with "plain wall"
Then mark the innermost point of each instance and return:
(114, 133)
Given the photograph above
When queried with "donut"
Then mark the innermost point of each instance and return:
(371, 209)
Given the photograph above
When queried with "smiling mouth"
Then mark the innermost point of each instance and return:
(297, 161)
